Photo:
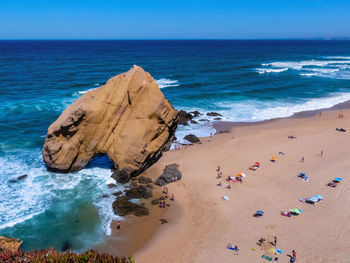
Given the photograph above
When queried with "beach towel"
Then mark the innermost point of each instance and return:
(267, 257)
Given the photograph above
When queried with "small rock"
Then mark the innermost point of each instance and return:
(217, 119)
(184, 117)
(192, 138)
(122, 206)
(213, 114)
(170, 174)
(196, 113)
(121, 176)
(193, 122)
(144, 180)
(118, 193)
(163, 221)
(203, 120)
(156, 201)
(138, 192)
(22, 177)
(111, 185)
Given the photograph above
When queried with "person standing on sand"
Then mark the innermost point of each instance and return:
(302, 159)
(275, 241)
(118, 225)
(321, 153)
(172, 198)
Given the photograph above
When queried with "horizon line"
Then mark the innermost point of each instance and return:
(172, 39)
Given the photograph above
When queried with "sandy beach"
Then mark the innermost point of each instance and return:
(201, 224)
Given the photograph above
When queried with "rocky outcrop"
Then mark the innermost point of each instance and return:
(185, 117)
(140, 191)
(144, 180)
(128, 119)
(170, 174)
(122, 206)
(213, 114)
(192, 138)
(9, 244)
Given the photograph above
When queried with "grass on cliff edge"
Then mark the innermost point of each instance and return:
(53, 256)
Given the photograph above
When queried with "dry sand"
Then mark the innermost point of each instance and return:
(202, 224)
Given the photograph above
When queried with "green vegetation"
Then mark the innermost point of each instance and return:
(53, 256)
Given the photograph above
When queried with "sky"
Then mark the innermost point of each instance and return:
(176, 19)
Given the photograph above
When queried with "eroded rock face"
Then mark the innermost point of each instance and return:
(9, 244)
(128, 119)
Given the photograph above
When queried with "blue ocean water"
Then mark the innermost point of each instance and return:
(242, 80)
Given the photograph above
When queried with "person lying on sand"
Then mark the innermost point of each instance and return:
(291, 137)
(332, 184)
(340, 129)
(229, 187)
(261, 241)
(219, 184)
(234, 248)
(218, 169)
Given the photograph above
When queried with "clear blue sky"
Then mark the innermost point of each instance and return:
(176, 19)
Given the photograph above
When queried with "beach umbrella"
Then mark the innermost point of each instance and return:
(302, 174)
(274, 158)
(338, 179)
(257, 163)
(313, 199)
(259, 212)
(243, 174)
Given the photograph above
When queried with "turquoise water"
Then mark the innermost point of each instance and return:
(242, 80)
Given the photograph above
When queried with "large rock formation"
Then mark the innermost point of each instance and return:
(128, 119)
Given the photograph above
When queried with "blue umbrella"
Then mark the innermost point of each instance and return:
(338, 179)
(259, 212)
(302, 174)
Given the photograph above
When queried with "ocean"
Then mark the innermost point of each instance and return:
(242, 80)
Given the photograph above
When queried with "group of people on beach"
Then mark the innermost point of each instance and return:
(162, 204)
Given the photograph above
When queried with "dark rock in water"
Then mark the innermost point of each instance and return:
(22, 177)
(12, 181)
(144, 180)
(140, 191)
(184, 117)
(170, 174)
(105, 196)
(213, 114)
(111, 185)
(196, 113)
(192, 138)
(67, 245)
(156, 201)
(118, 193)
(121, 176)
(122, 206)
(203, 120)
(217, 119)
(193, 122)
(163, 221)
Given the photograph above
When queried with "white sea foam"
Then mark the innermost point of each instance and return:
(84, 91)
(271, 70)
(336, 67)
(26, 199)
(253, 110)
(164, 83)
